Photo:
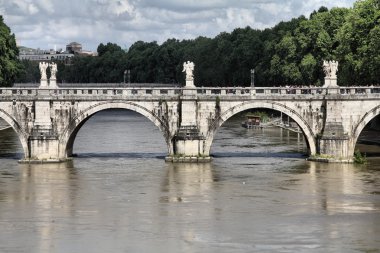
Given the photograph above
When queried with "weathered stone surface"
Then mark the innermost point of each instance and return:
(47, 120)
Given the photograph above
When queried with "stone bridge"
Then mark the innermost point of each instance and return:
(47, 120)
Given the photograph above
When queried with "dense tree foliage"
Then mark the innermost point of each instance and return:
(29, 72)
(359, 44)
(9, 65)
(291, 53)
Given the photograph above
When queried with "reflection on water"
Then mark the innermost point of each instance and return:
(267, 200)
(187, 182)
(46, 187)
(233, 140)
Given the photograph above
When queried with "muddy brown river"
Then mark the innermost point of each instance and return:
(259, 194)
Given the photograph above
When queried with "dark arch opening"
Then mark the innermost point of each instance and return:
(116, 133)
(368, 142)
(277, 135)
(10, 144)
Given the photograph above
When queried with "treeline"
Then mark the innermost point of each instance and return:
(291, 53)
(9, 65)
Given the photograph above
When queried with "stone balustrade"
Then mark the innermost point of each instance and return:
(175, 92)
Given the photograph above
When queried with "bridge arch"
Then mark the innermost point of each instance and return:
(66, 139)
(367, 117)
(304, 126)
(23, 137)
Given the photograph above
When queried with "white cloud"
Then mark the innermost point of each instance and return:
(22, 7)
(46, 6)
(275, 9)
(45, 23)
(234, 18)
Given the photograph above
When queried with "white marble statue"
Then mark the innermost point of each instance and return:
(43, 66)
(330, 68)
(188, 67)
(53, 70)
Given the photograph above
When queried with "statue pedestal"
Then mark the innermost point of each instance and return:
(53, 83)
(190, 83)
(331, 85)
(189, 90)
(43, 84)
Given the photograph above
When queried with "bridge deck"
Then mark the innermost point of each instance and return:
(96, 93)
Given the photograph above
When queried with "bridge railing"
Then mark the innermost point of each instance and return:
(283, 91)
(117, 91)
(176, 91)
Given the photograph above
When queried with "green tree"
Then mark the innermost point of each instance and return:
(358, 49)
(29, 72)
(9, 64)
(108, 48)
(308, 69)
(140, 61)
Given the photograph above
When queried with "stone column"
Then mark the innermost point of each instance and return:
(189, 143)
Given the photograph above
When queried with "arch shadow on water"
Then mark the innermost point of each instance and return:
(225, 116)
(13, 156)
(367, 139)
(10, 144)
(258, 155)
(13, 137)
(117, 133)
(234, 141)
(137, 155)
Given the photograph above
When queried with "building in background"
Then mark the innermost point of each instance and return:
(76, 49)
(72, 49)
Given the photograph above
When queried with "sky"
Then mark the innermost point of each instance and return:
(50, 24)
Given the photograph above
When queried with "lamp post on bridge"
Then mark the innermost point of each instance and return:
(252, 77)
(127, 72)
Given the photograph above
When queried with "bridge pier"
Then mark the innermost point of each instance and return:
(189, 142)
(189, 146)
(335, 149)
(43, 142)
(335, 144)
(43, 147)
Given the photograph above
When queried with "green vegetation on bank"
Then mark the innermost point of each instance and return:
(291, 53)
(359, 158)
(9, 65)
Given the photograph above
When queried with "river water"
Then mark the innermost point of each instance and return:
(118, 195)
